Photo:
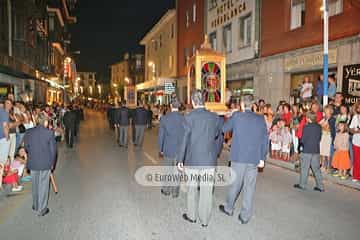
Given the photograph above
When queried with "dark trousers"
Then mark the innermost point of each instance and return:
(69, 137)
(40, 190)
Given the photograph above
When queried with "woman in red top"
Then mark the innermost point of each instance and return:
(286, 116)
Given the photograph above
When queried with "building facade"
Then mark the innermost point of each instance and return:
(291, 45)
(86, 85)
(191, 32)
(33, 35)
(233, 28)
(128, 72)
(160, 59)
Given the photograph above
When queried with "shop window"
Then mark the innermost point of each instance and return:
(213, 40)
(335, 7)
(297, 14)
(245, 31)
(194, 12)
(227, 38)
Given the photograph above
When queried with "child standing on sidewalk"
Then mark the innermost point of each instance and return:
(341, 159)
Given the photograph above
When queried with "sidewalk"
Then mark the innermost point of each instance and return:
(296, 168)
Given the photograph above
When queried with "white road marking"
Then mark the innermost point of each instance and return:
(150, 158)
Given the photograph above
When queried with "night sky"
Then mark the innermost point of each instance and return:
(107, 29)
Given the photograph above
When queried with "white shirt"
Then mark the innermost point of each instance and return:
(306, 90)
(355, 124)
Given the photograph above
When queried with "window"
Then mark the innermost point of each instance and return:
(194, 12)
(212, 4)
(245, 31)
(187, 19)
(227, 38)
(193, 49)
(171, 62)
(19, 27)
(51, 22)
(186, 55)
(172, 31)
(138, 64)
(297, 14)
(335, 7)
(213, 40)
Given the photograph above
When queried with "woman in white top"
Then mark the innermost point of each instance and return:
(306, 90)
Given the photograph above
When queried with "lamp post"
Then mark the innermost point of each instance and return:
(325, 9)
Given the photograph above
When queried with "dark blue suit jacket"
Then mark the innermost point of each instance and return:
(200, 143)
(41, 147)
(141, 116)
(249, 137)
(171, 133)
(122, 116)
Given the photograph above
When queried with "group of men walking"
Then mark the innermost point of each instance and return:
(121, 117)
(193, 143)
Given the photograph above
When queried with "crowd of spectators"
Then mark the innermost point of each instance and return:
(16, 118)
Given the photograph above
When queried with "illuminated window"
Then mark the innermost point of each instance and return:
(297, 14)
(335, 7)
(187, 19)
(194, 12)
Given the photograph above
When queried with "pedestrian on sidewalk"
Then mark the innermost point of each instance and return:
(41, 147)
(355, 130)
(310, 156)
(248, 151)
(4, 136)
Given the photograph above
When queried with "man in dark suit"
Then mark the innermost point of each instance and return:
(248, 151)
(41, 147)
(141, 119)
(122, 121)
(69, 120)
(198, 153)
(171, 132)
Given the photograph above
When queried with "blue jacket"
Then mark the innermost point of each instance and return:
(122, 116)
(199, 144)
(41, 147)
(141, 116)
(171, 133)
(320, 89)
(249, 137)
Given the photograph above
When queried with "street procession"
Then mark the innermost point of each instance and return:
(179, 119)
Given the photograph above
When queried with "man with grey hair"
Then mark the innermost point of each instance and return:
(41, 147)
(248, 151)
(171, 132)
(198, 153)
(310, 157)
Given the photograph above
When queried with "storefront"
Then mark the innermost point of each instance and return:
(153, 92)
(239, 88)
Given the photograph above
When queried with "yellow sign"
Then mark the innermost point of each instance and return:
(308, 60)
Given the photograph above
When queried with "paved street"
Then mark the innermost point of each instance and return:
(99, 199)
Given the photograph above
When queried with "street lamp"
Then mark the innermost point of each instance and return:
(127, 80)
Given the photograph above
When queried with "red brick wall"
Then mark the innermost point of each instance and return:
(194, 34)
(276, 36)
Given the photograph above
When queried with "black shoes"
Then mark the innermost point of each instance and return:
(204, 225)
(185, 217)
(164, 193)
(45, 212)
(319, 189)
(298, 187)
(243, 221)
(222, 209)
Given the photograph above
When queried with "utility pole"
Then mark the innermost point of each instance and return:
(326, 50)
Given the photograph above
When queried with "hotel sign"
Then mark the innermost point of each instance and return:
(307, 61)
(351, 83)
(226, 11)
